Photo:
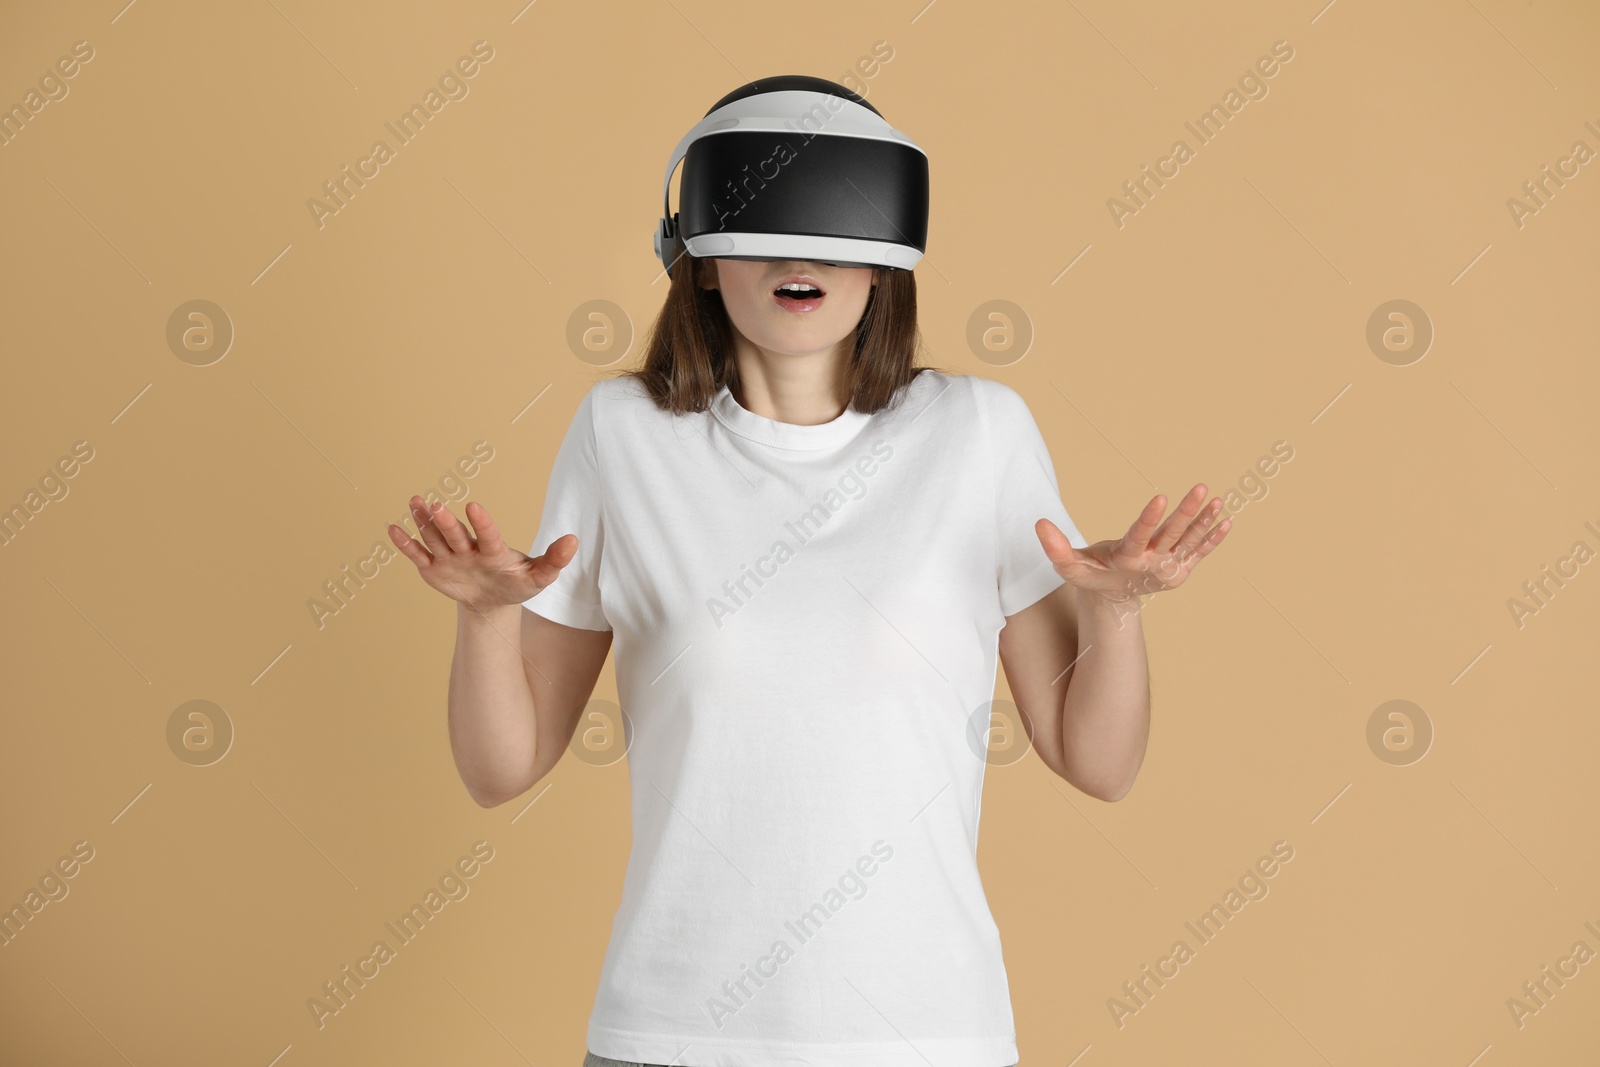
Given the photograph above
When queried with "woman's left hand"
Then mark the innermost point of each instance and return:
(1152, 556)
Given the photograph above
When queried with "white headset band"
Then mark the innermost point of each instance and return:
(814, 247)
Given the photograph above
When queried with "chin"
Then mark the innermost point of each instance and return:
(801, 342)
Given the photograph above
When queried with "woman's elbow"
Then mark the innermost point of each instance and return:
(485, 799)
(1111, 796)
(1107, 790)
(487, 795)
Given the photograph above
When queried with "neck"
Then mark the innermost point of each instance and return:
(803, 390)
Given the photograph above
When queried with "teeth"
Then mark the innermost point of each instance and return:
(799, 287)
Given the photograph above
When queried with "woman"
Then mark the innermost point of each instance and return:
(810, 553)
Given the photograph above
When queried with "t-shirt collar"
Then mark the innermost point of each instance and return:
(786, 434)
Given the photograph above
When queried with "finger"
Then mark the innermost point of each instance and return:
(1199, 527)
(427, 530)
(1056, 546)
(547, 568)
(1178, 522)
(1213, 539)
(455, 534)
(1207, 544)
(489, 540)
(409, 547)
(1138, 535)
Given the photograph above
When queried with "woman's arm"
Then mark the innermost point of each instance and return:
(1077, 669)
(518, 682)
(1075, 660)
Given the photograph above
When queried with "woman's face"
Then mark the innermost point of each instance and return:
(781, 324)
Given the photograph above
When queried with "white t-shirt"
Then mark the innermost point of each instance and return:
(806, 625)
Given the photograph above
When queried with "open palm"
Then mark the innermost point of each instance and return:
(481, 571)
(1152, 556)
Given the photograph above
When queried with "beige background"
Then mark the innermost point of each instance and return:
(1229, 313)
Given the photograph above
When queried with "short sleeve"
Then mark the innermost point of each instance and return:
(1025, 491)
(572, 505)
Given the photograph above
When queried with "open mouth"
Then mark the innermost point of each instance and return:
(798, 296)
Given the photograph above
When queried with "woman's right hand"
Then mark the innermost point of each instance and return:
(481, 572)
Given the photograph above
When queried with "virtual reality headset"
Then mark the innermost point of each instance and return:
(796, 167)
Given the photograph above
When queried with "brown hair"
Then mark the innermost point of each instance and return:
(689, 352)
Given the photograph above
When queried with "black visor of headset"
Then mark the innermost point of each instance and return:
(797, 168)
